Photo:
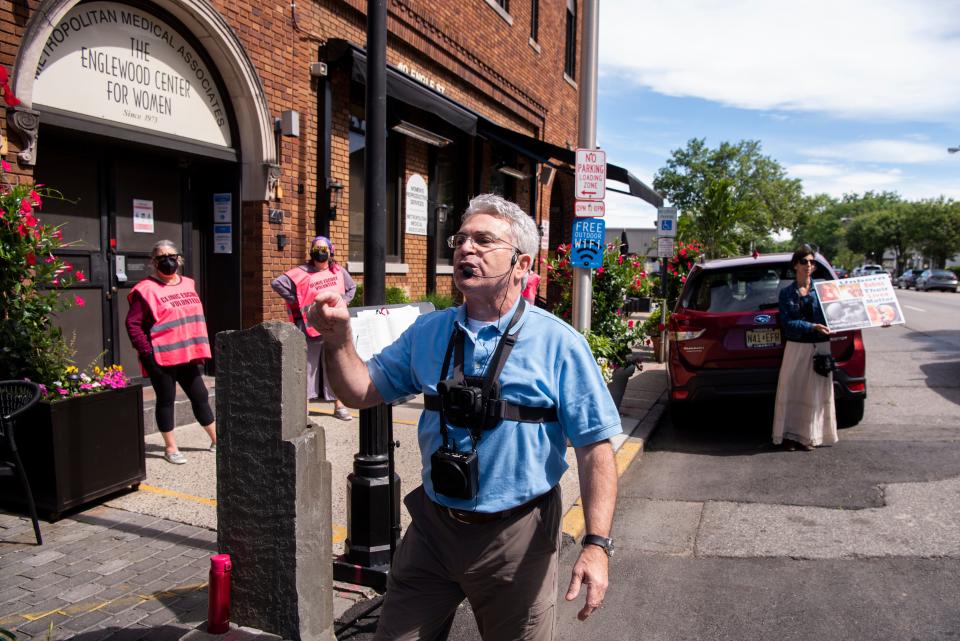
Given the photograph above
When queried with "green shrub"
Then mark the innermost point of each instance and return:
(394, 295)
(440, 301)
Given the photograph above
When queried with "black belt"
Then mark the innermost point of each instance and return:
(476, 518)
(504, 410)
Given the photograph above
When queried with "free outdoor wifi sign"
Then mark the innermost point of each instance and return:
(586, 250)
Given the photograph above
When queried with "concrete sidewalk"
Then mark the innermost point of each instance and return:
(135, 566)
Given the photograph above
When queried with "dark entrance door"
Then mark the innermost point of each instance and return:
(119, 199)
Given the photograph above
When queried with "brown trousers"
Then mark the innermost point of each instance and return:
(507, 569)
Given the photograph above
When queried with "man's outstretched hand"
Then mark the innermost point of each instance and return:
(591, 569)
(328, 314)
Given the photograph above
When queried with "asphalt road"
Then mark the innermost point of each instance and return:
(722, 536)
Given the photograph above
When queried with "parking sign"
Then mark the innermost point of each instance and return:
(591, 174)
(666, 222)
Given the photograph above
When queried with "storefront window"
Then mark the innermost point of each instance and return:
(444, 175)
(503, 184)
(357, 185)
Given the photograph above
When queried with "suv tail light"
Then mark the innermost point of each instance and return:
(687, 335)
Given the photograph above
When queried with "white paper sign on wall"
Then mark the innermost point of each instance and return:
(142, 216)
(416, 205)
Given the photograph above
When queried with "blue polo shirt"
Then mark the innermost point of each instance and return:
(550, 366)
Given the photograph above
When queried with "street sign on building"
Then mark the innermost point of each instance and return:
(589, 208)
(591, 175)
(664, 247)
(666, 222)
(586, 249)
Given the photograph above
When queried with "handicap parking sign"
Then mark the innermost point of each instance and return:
(588, 239)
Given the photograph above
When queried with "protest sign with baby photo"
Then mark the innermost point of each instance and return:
(858, 303)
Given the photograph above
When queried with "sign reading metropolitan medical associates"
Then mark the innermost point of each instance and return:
(120, 63)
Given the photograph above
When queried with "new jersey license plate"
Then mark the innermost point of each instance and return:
(762, 338)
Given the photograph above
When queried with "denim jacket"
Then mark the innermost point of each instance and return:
(798, 314)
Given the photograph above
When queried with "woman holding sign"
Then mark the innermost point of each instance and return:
(804, 416)
(298, 287)
(167, 328)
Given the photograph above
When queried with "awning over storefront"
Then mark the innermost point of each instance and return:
(407, 90)
(544, 152)
(403, 88)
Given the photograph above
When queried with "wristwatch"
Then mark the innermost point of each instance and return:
(599, 541)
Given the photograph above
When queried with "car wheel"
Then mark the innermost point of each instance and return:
(682, 415)
(849, 412)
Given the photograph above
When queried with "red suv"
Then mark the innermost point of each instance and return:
(725, 339)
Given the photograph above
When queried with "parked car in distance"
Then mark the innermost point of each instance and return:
(908, 278)
(936, 279)
(725, 340)
(841, 272)
(869, 270)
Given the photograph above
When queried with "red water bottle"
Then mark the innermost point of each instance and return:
(218, 594)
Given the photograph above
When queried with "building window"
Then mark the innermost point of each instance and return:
(502, 7)
(357, 184)
(447, 180)
(534, 20)
(570, 54)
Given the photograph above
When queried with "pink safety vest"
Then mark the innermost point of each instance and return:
(308, 286)
(179, 332)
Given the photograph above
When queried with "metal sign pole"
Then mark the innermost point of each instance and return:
(583, 278)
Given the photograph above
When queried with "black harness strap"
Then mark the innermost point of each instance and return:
(503, 409)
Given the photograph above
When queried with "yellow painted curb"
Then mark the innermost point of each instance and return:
(177, 495)
(573, 522)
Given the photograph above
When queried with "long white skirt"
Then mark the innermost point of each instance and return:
(804, 410)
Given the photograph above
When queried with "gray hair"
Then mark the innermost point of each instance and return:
(164, 243)
(526, 238)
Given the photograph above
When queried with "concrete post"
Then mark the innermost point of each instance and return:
(273, 485)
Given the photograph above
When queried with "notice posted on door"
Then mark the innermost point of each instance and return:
(858, 303)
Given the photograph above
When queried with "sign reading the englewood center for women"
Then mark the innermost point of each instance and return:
(121, 63)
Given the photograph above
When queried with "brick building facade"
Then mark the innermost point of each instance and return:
(158, 119)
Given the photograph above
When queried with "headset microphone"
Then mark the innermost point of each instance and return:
(469, 272)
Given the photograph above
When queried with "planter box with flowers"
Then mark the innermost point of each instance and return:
(85, 438)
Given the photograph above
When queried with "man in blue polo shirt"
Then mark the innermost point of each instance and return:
(495, 540)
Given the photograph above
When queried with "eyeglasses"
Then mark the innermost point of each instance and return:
(480, 239)
(807, 261)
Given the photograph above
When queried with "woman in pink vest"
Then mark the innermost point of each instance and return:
(298, 287)
(167, 327)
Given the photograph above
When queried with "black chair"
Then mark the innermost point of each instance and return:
(16, 397)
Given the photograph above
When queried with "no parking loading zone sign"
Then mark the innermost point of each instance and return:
(588, 240)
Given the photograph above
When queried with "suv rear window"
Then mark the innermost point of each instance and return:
(742, 289)
(939, 273)
(872, 268)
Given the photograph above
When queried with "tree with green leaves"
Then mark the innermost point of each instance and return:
(730, 198)
(935, 229)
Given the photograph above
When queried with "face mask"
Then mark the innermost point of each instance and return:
(319, 256)
(167, 265)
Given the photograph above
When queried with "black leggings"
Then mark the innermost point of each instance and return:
(165, 379)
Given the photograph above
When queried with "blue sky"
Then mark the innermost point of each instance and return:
(848, 95)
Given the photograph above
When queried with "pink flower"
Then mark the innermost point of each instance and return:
(620, 260)
(55, 281)
(643, 274)
(30, 219)
(58, 234)
(25, 206)
(49, 259)
(35, 197)
(630, 324)
(599, 270)
(79, 301)
(6, 166)
(61, 391)
(31, 259)
(80, 276)
(67, 267)
(22, 229)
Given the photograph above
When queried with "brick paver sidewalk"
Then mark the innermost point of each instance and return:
(103, 574)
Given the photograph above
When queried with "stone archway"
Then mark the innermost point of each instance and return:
(255, 126)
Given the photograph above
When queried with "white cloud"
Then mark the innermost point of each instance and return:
(627, 212)
(837, 180)
(880, 151)
(892, 59)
